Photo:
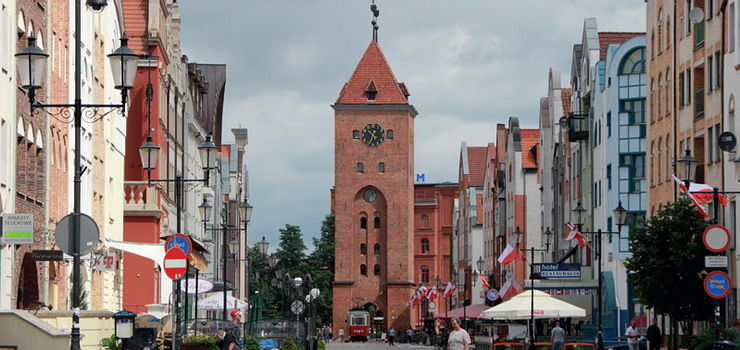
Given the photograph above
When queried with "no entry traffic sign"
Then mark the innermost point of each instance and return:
(178, 240)
(716, 238)
(175, 264)
(492, 294)
(717, 284)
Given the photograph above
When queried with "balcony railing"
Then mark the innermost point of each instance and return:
(141, 199)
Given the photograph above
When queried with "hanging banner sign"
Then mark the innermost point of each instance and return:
(106, 262)
(571, 270)
(17, 229)
(191, 287)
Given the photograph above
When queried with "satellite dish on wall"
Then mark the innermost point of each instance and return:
(696, 15)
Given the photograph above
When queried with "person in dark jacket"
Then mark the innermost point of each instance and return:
(654, 336)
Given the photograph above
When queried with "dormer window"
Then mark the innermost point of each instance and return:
(371, 92)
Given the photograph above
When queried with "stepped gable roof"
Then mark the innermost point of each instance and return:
(565, 95)
(530, 140)
(477, 165)
(373, 70)
(609, 38)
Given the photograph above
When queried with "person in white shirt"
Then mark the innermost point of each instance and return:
(632, 337)
(459, 338)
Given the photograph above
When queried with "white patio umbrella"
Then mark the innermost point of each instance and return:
(216, 302)
(545, 306)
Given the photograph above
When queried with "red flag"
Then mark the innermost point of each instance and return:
(574, 233)
(433, 293)
(451, 288)
(705, 193)
(415, 300)
(691, 196)
(484, 281)
(508, 255)
(422, 291)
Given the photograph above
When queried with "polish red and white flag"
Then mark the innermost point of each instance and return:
(484, 281)
(510, 289)
(692, 196)
(574, 233)
(508, 255)
(703, 192)
(451, 288)
(433, 293)
(422, 291)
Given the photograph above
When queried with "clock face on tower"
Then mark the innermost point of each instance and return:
(373, 135)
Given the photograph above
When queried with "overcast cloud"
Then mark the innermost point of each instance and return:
(469, 65)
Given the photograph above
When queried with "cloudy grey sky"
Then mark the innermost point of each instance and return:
(469, 64)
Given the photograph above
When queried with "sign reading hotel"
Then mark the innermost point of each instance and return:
(17, 229)
(571, 270)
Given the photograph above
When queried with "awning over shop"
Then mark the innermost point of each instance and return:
(471, 311)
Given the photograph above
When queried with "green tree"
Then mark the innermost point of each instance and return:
(260, 279)
(321, 267)
(292, 251)
(667, 264)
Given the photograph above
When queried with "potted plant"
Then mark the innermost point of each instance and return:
(199, 342)
(111, 343)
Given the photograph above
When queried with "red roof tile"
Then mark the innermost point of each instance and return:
(530, 139)
(373, 68)
(609, 38)
(565, 95)
(477, 165)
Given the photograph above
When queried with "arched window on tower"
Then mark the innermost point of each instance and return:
(425, 221)
(381, 167)
(424, 246)
(363, 270)
(376, 270)
(376, 222)
(425, 274)
(360, 167)
(376, 249)
(363, 223)
(363, 249)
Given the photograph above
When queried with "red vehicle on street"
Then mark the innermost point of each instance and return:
(359, 325)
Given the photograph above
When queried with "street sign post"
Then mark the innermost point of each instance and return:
(717, 284)
(492, 294)
(175, 264)
(716, 238)
(178, 240)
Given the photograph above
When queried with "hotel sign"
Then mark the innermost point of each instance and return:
(17, 229)
(560, 270)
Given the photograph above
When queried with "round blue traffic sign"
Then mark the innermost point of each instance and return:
(717, 284)
(492, 294)
(178, 240)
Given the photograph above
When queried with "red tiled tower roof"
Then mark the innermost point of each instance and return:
(373, 73)
(477, 165)
(530, 139)
(609, 38)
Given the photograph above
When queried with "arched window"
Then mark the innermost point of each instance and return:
(659, 170)
(363, 249)
(355, 134)
(376, 222)
(668, 32)
(376, 249)
(652, 164)
(381, 167)
(363, 270)
(389, 134)
(424, 246)
(659, 98)
(668, 157)
(425, 274)
(634, 62)
(424, 220)
(376, 270)
(360, 167)
(363, 223)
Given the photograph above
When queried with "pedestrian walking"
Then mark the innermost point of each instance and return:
(557, 337)
(341, 334)
(654, 336)
(391, 337)
(459, 338)
(232, 332)
(632, 337)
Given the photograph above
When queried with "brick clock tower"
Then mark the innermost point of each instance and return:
(373, 196)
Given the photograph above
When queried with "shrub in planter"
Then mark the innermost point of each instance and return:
(289, 344)
(252, 344)
(199, 342)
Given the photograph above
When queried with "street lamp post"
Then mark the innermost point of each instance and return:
(620, 214)
(532, 249)
(32, 66)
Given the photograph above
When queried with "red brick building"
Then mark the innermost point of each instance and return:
(373, 197)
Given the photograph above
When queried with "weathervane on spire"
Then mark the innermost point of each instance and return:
(376, 13)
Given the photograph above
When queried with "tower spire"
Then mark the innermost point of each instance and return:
(376, 13)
